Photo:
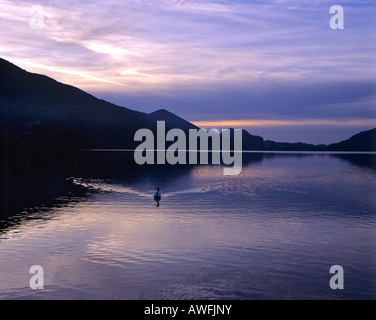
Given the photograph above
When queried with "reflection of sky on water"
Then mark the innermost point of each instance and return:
(272, 232)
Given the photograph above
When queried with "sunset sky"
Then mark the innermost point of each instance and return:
(273, 67)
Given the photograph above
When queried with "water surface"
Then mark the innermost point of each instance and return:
(272, 232)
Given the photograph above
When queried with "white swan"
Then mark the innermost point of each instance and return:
(157, 196)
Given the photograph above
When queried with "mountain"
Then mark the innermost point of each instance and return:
(287, 146)
(37, 112)
(364, 141)
(42, 112)
(256, 143)
(251, 142)
(172, 120)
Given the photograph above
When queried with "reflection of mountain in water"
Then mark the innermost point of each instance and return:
(361, 160)
(38, 183)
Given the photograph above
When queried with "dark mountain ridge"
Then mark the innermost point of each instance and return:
(40, 109)
(364, 141)
(39, 112)
(171, 119)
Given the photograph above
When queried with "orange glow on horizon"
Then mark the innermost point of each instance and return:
(280, 123)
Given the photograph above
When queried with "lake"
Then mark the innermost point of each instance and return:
(272, 232)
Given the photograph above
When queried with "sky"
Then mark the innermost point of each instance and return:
(272, 67)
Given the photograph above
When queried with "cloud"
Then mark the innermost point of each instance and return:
(174, 43)
(269, 59)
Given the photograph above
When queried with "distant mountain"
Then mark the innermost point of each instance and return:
(364, 141)
(251, 142)
(298, 146)
(172, 120)
(37, 112)
(256, 143)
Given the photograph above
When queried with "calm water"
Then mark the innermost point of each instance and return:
(271, 233)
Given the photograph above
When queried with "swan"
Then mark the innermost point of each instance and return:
(157, 196)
